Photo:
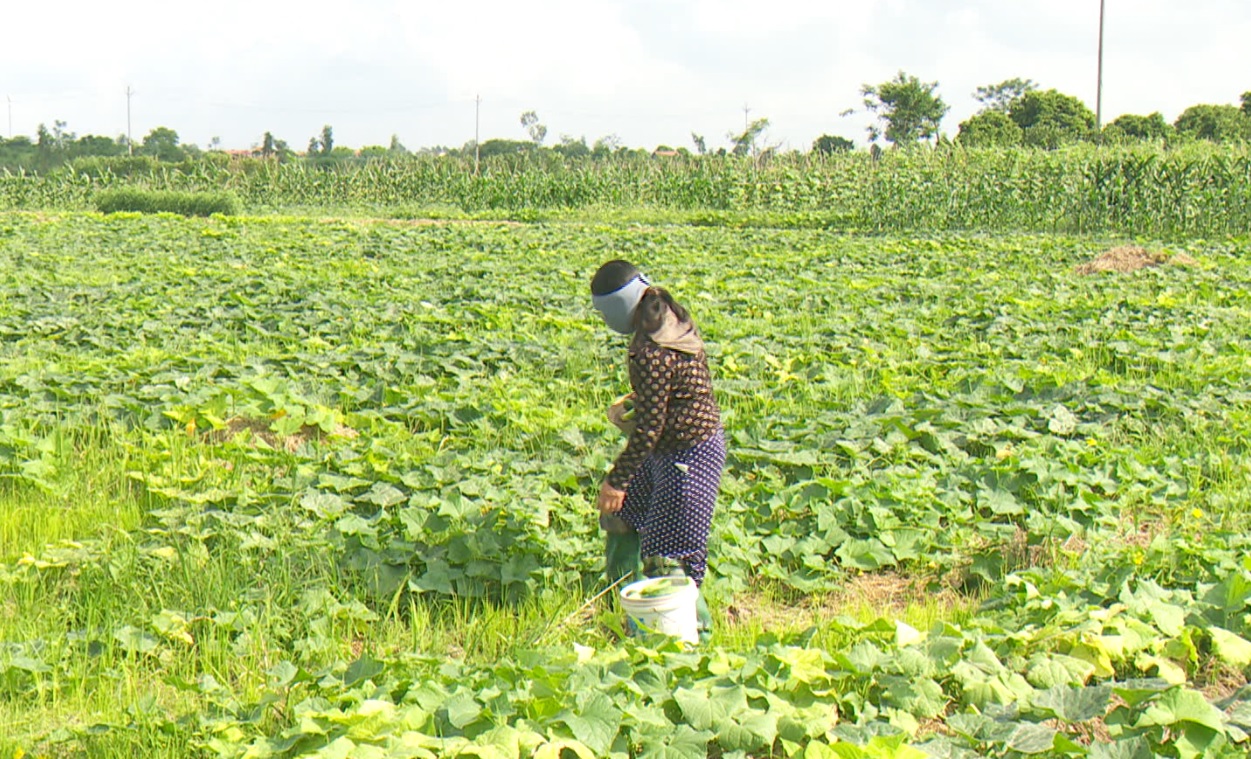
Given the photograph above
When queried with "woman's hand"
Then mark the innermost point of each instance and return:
(621, 413)
(610, 499)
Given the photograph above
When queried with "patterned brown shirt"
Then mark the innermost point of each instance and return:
(674, 405)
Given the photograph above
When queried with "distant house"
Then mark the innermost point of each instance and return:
(665, 153)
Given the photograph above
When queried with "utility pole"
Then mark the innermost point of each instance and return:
(477, 107)
(1099, 85)
(746, 128)
(130, 142)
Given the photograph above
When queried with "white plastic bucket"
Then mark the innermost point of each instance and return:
(665, 605)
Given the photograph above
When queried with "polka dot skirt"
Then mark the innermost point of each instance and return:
(670, 500)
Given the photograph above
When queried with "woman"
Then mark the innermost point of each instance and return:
(656, 503)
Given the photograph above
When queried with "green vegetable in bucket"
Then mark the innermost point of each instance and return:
(660, 588)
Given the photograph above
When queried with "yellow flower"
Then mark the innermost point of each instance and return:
(1196, 513)
(1090, 441)
(1138, 559)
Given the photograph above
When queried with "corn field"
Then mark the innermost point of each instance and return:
(1141, 190)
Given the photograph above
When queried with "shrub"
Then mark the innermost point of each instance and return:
(157, 201)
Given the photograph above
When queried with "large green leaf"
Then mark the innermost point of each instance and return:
(1137, 692)
(556, 750)
(923, 697)
(1181, 705)
(749, 733)
(1232, 649)
(596, 723)
(1053, 670)
(1135, 747)
(683, 742)
(1031, 738)
(1074, 705)
(134, 640)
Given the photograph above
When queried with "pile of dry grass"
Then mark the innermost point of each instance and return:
(1126, 258)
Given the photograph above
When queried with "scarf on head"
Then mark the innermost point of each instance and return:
(677, 335)
(618, 306)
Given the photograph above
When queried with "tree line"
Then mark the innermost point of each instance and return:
(1019, 112)
(907, 112)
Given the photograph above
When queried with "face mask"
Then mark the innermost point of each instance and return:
(618, 307)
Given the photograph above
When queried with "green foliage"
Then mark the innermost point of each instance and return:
(99, 147)
(1049, 119)
(573, 148)
(907, 108)
(828, 144)
(999, 97)
(537, 131)
(335, 431)
(1131, 127)
(55, 139)
(17, 154)
(326, 142)
(274, 148)
(1216, 123)
(991, 128)
(492, 148)
(162, 144)
(138, 167)
(1147, 189)
(745, 143)
(166, 201)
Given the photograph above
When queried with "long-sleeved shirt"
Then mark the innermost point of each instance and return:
(674, 407)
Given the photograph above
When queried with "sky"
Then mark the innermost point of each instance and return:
(649, 72)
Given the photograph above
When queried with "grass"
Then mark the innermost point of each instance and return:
(88, 495)
(282, 594)
(116, 685)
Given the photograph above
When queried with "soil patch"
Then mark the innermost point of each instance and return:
(1127, 258)
(1220, 682)
(260, 430)
(1090, 732)
(884, 593)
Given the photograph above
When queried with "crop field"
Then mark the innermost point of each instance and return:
(1195, 190)
(279, 486)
